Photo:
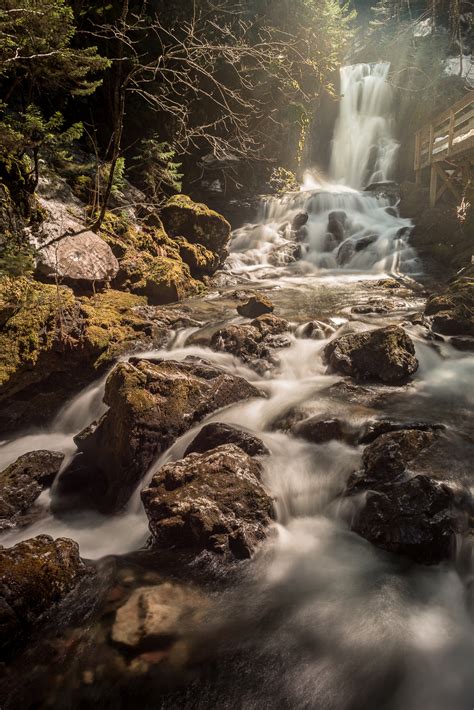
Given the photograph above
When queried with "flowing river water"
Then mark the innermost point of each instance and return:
(319, 618)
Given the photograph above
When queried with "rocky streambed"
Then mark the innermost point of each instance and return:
(269, 505)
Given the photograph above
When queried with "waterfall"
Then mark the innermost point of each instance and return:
(364, 149)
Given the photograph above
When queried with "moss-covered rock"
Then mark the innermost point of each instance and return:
(197, 223)
(150, 405)
(453, 310)
(52, 344)
(35, 575)
(201, 261)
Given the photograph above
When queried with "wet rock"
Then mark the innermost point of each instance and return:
(212, 501)
(365, 310)
(419, 518)
(385, 355)
(409, 515)
(150, 405)
(372, 430)
(453, 311)
(197, 223)
(286, 254)
(387, 283)
(345, 252)
(390, 453)
(154, 616)
(257, 305)
(217, 434)
(319, 431)
(34, 575)
(364, 242)
(337, 223)
(23, 481)
(392, 211)
(463, 344)
(82, 260)
(299, 220)
(253, 343)
(315, 330)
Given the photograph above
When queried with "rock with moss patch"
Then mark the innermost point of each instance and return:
(197, 223)
(22, 482)
(384, 355)
(35, 575)
(150, 405)
(52, 344)
(452, 312)
(212, 501)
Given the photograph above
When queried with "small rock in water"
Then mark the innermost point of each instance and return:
(286, 254)
(364, 242)
(23, 481)
(384, 355)
(213, 501)
(299, 220)
(337, 222)
(345, 252)
(257, 305)
(315, 329)
(217, 433)
(319, 431)
(153, 615)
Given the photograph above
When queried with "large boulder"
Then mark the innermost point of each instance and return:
(385, 355)
(212, 501)
(217, 434)
(34, 575)
(416, 517)
(79, 260)
(197, 223)
(337, 225)
(150, 405)
(23, 481)
(411, 515)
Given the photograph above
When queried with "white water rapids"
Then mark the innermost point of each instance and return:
(336, 623)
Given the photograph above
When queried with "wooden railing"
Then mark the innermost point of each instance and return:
(449, 135)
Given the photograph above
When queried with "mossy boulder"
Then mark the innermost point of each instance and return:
(154, 265)
(383, 355)
(150, 405)
(52, 344)
(453, 311)
(35, 575)
(197, 223)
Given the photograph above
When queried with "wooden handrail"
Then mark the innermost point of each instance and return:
(439, 139)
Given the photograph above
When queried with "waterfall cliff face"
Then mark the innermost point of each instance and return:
(364, 149)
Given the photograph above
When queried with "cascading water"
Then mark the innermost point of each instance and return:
(346, 228)
(322, 619)
(364, 149)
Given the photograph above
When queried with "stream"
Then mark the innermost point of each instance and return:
(319, 618)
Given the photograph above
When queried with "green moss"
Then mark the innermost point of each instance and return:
(196, 222)
(31, 314)
(111, 321)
